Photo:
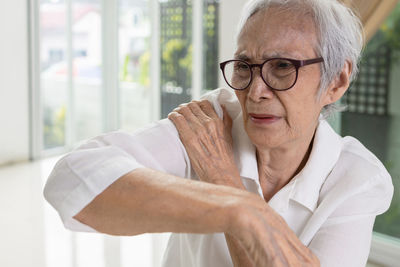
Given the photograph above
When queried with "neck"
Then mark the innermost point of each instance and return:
(277, 166)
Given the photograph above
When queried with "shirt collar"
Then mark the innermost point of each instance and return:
(325, 153)
(304, 188)
(244, 150)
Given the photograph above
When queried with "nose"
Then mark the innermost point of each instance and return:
(258, 89)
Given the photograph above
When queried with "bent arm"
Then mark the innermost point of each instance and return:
(84, 173)
(149, 201)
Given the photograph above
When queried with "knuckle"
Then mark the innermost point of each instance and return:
(176, 109)
(182, 105)
(206, 103)
(180, 118)
(172, 115)
(181, 109)
(192, 105)
(210, 124)
(176, 117)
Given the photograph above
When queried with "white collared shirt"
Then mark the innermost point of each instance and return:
(330, 205)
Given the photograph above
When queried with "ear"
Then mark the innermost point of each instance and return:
(339, 85)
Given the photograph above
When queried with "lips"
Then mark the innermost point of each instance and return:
(262, 116)
(263, 119)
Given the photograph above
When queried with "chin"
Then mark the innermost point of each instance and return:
(263, 137)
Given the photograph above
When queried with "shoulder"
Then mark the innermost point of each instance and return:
(223, 96)
(161, 130)
(356, 161)
(358, 177)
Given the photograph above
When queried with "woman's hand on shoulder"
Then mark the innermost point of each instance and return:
(262, 233)
(208, 142)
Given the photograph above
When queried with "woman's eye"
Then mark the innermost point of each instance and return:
(283, 65)
(241, 66)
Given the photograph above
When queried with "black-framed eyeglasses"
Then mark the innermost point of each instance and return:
(278, 73)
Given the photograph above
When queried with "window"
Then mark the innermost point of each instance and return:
(53, 66)
(373, 114)
(71, 74)
(134, 32)
(176, 39)
(104, 64)
(86, 86)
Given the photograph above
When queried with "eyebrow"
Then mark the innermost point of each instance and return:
(244, 57)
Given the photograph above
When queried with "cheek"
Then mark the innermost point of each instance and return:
(241, 96)
(302, 112)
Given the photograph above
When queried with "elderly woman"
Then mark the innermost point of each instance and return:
(277, 186)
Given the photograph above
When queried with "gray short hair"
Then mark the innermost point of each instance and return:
(340, 35)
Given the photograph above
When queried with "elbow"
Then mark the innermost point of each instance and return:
(57, 185)
(50, 193)
(82, 217)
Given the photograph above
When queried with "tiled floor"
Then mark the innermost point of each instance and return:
(31, 234)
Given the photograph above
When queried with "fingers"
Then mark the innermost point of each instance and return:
(190, 117)
(196, 109)
(198, 118)
(208, 109)
(226, 118)
(201, 116)
(192, 133)
(184, 130)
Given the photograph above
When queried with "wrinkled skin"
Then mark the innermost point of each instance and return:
(263, 235)
(258, 236)
(208, 141)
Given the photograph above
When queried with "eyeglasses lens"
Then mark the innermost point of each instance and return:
(279, 74)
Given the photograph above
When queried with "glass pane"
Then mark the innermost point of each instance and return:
(54, 71)
(87, 79)
(134, 62)
(210, 44)
(176, 53)
(372, 113)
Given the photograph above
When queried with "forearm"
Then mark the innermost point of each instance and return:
(148, 201)
(238, 253)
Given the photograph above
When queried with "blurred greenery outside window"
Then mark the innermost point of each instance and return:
(177, 51)
(86, 69)
(134, 35)
(134, 67)
(373, 114)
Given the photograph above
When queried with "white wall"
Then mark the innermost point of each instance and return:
(229, 13)
(14, 111)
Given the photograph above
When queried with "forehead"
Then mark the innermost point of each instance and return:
(278, 33)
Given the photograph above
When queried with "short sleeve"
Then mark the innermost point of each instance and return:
(344, 238)
(88, 170)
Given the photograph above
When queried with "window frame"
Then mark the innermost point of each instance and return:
(35, 136)
(384, 250)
